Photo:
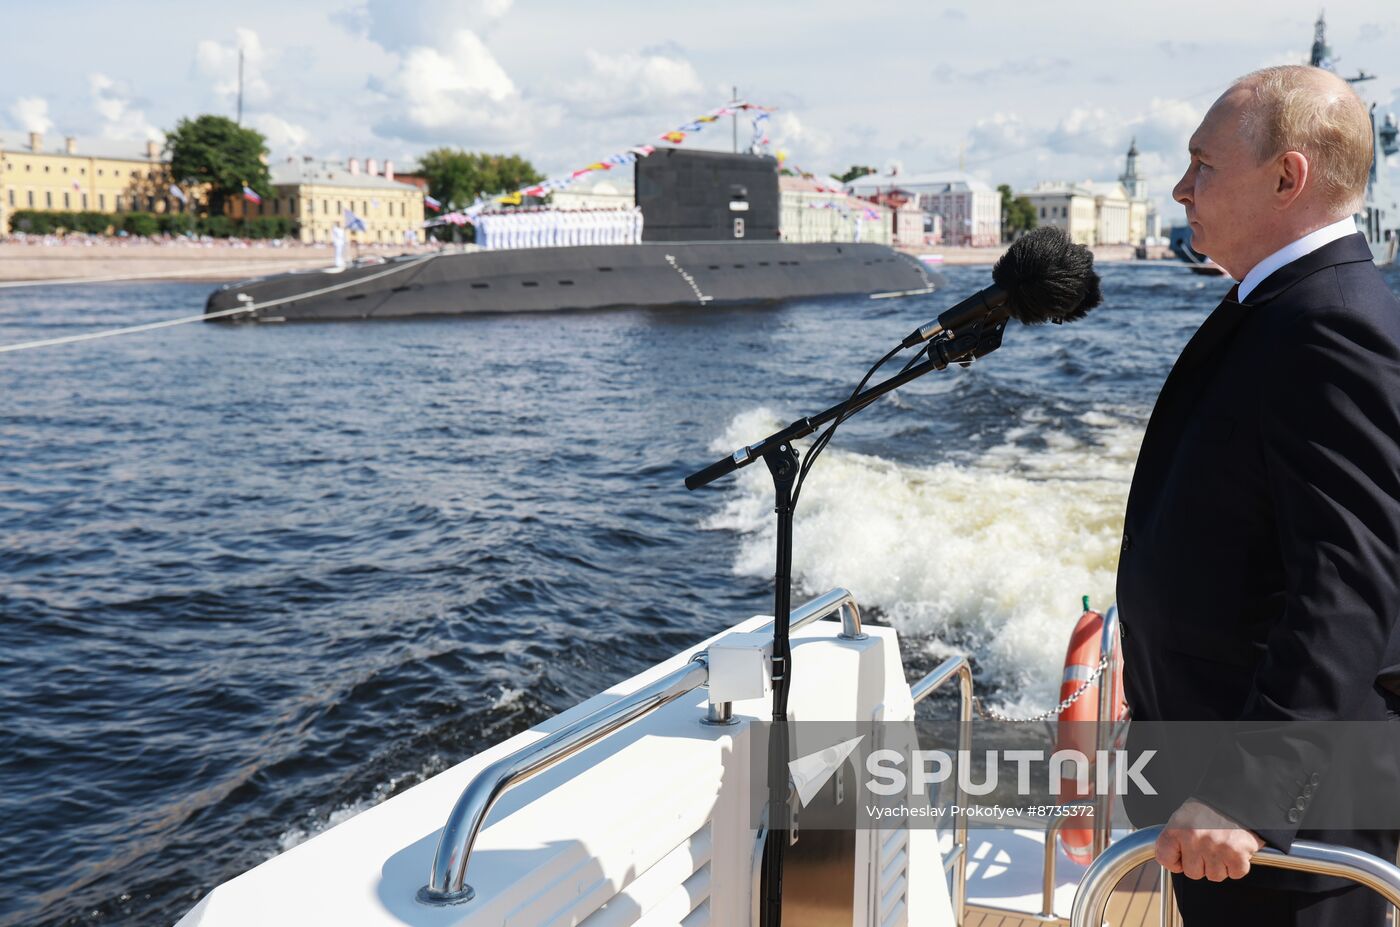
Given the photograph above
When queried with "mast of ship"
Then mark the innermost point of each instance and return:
(1378, 212)
(1322, 53)
(240, 85)
(734, 116)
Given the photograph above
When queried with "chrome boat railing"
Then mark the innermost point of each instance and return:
(1091, 899)
(954, 668)
(1105, 733)
(447, 879)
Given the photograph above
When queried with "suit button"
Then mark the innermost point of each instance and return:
(1315, 778)
(1307, 791)
(1300, 804)
(1293, 816)
(1127, 542)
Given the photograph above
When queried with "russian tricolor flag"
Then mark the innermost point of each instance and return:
(251, 196)
(431, 203)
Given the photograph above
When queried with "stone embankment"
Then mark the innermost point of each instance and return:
(71, 258)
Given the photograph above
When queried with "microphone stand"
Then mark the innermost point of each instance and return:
(778, 453)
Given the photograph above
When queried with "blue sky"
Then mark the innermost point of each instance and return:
(1019, 92)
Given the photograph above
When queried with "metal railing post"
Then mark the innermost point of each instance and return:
(1047, 885)
(1105, 728)
(950, 668)
(820, 607)
(1091, 899)
(447, 879)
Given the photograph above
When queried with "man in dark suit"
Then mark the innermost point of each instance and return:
(1259, 579)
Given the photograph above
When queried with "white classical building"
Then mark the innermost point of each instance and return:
(811, 212)
(599, 194)
(316, 194)
(968, 209)
(1067, 206)
(1114, 212)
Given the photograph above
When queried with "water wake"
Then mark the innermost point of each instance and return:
(989, 558)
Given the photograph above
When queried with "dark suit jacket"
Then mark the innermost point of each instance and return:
(1259, 579)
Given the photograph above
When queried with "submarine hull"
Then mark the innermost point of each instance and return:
(577, 277)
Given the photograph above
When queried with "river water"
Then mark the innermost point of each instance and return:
(257, 579)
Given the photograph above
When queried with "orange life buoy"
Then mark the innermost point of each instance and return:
(1075, 727)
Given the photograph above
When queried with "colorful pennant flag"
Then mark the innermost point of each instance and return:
(354, 223)
(431, 203)
(251, 196)
(178, 194)
(629, 156)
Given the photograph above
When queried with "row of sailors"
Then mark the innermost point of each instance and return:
(545, 228)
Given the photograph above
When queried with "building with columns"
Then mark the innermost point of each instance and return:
(1114, 212)
(967, 209)
(810, 211)
(317, 193)
(81, 175)
(1066, 206)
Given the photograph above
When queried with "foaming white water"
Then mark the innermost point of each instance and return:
(991, 557)
(298, 835)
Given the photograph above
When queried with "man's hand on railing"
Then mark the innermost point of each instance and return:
(1199, 842)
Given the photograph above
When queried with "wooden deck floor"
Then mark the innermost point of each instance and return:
(1133, 904)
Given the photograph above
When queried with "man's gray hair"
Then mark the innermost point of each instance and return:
(1293, 109)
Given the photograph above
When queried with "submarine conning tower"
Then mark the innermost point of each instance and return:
(689, 195)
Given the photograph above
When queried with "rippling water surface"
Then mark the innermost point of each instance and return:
(259, 578)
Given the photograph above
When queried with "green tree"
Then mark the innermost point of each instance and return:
(215, 150)
(854, 171)
(1017, 214)
(140, 223)
(456, 177)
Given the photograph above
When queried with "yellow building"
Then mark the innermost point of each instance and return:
(1071, 207)
(317, 193)
(74, 175)
(809, 213)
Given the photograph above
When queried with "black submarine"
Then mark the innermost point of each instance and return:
(710, 237)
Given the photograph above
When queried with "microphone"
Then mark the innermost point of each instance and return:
(1043, 277)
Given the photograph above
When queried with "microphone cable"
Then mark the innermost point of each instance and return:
(824, 438)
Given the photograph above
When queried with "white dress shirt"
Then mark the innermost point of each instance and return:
(1291, 252)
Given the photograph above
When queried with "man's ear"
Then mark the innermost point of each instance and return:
(1291, 178)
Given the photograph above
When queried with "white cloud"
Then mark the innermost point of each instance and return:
(803, 143)
(457, 94)
(1166, 126)
(282, 136)
(217, 63)
(624, 82)
(1087, 130)
(120, 117)
(997, 134)
(439, 88)
(31, 114)
(402, 27)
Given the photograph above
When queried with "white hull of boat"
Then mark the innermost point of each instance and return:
(651, 825)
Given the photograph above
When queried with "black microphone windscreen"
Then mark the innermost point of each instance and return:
(1046, 276)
